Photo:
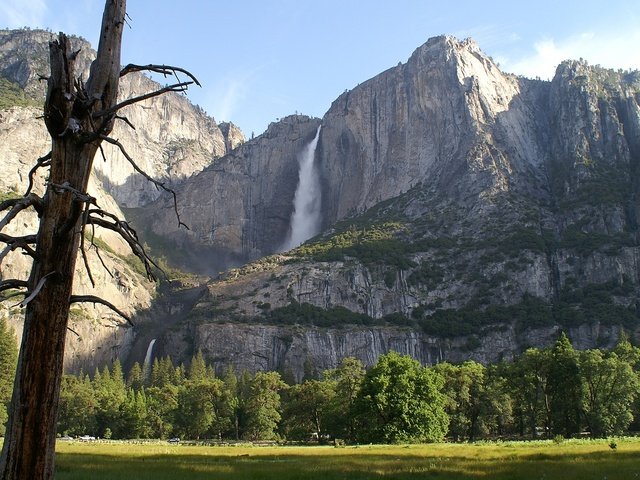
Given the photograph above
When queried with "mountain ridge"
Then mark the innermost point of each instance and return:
(459, 203)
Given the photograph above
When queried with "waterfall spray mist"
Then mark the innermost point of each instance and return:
(305, 220)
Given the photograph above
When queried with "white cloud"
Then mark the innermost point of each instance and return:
(611, 50)
(22, 13)
(229, 94)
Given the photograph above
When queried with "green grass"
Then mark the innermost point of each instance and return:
(582, 460)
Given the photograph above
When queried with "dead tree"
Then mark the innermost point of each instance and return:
(79, 116)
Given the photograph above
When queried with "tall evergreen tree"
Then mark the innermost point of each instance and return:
(8, 360)
(197, 368)
(135, 378)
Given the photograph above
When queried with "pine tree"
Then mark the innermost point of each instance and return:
(197, 368)
(8, 360)
(135, 379)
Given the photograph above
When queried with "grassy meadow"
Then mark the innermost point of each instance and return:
(573, 459)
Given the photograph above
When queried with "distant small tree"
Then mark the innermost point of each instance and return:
(197, 368)
(8, 359)
(135, 379)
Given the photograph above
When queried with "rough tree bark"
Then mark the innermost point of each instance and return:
(78, 117)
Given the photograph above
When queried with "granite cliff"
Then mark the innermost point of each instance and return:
(467, 213)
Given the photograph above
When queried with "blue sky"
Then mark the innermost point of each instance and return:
(259, 60)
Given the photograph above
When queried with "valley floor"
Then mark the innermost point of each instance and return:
(572, 459)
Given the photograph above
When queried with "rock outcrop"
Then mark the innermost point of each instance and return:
(294, 348)
(173, 138)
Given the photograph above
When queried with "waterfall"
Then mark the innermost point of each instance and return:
(146, 366)
(305, 219)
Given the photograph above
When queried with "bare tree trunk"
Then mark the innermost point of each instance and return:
(29, 446)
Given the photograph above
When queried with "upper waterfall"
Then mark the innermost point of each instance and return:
(306, 216)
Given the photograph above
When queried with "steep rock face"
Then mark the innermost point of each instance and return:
(99, 336)
(233, 136)
(447, 117)
(483, 211)
(289, 348)
(24, 58)
(477, 214)
(247, 319)
(238, 208)
(173, 138)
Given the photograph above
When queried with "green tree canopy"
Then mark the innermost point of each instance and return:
(401, 401)
(263, 406)
(610, 387)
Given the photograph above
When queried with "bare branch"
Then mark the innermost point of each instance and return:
(12, 283)
(95, 247)
(85, 259)
(36, 290)
(111, 222)
(125, 120)
(66, 187)
(104, 157)
(164, 70)
(73, 331)
(101, 301)
(29, 239)
(12, 242)
(176, 87)
(157, 183)
(104, 265)
(4, 253)
(41, 162)
(16, 205)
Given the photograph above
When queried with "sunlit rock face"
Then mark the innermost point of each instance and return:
(507, 192)
(482, 191)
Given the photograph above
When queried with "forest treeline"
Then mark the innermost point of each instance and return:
(550, 392)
